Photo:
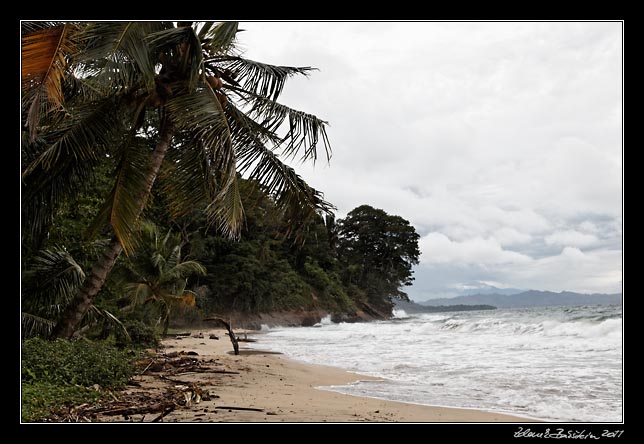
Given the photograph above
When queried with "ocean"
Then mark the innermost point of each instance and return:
(557, 364)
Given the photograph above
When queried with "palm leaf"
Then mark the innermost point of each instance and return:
(118, 52)
(139, 292)
(187, 177)
(32, 325)
(226, 211)
(304, 130)
(184, 269)
(219, 38)
(81, 138)
(183, 47)
(121, 208)
(51, 282)
(262, 165)
(257, 78)
(97, 315)
(45, 54)
(202, 117)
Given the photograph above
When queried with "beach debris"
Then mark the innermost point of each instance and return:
(213, 336)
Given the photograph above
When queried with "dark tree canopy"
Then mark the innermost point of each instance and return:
(378, 251)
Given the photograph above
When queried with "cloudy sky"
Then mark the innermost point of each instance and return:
(500, 142)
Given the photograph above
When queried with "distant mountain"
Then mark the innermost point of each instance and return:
(412, 307)
(530, 298)
(489, 289)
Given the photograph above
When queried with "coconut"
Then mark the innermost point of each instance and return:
(215, 82)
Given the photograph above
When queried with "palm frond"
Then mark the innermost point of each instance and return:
(255, 77)
(121, 209)
(247, 131)
(219, 38)
(51, 282)
(187, 177)
(172, 252)
(226, 211)
(98, 315)
(181, 48)
(304, 130)
(139, 292)
(27, 27)
(279, 179)
(45, 55)
(201, 116)
(32, 325)
(184, 269)
(118, 52)
(82, 137)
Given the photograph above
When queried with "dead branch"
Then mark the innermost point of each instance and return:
(231, 334)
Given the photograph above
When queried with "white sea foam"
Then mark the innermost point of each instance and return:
(557, 364)
(399, 313)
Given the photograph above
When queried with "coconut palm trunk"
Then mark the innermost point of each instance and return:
(79, 306)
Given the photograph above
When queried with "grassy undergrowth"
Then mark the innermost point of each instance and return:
(59, 374)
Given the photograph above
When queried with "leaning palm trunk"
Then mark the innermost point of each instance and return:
(94, 282)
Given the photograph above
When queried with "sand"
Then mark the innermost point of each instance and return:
(278, 389)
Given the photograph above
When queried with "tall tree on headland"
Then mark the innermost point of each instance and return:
(378, 251)
(174, 107)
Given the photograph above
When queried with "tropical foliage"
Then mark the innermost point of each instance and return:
(157, 275)
(378, 252)
(172, 108)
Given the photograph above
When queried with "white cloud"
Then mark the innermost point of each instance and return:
(510, 236)
(571, 238)
(439, 249)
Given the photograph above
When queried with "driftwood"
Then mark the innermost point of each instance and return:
(231, 334)
(227, 407)
(167, 411)
(162, 406)
(245, 338)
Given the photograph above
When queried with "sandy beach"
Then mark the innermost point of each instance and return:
(257, 386)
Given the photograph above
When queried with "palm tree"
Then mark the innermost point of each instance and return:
(172, 105)
(156, 274)
(49, 284)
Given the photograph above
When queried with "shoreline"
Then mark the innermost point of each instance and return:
(260, 386)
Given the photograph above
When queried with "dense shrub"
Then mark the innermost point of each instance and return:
(75, 363)
(59, 374)
(142, 335)
(41, 400)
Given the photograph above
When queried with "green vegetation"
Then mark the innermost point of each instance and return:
(378, 251)
(59, 374)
